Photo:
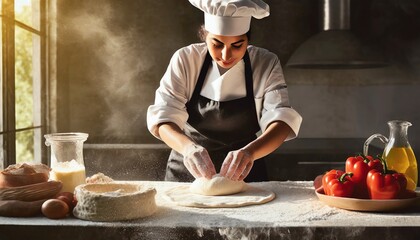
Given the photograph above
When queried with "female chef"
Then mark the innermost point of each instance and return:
(217, 95)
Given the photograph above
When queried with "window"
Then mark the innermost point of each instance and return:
(23, 66)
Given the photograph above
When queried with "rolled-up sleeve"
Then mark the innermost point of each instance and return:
(170, 98)
(276, 108)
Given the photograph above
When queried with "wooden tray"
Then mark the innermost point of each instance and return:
(367, 205)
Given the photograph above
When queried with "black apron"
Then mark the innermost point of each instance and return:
(220, 127)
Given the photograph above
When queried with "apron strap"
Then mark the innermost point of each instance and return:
(248, 77)
(249, 83)
(201, 78)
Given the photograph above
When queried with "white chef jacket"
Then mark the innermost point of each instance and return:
(178, 83)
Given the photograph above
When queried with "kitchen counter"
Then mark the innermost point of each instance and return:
(295, 213)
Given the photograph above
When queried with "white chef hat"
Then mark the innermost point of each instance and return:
(230, 17)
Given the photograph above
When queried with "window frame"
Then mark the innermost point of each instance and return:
(9, 23)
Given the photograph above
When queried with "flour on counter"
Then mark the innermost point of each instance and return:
(295, 205)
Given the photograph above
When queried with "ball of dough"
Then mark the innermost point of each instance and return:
(216, 186)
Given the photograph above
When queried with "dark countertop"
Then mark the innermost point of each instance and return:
(295, 213)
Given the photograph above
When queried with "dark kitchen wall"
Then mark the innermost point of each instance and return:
(111, 55)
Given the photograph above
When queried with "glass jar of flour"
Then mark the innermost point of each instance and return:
(66, 162)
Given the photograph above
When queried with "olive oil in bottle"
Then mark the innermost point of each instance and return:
(398, 154)
(402, 160)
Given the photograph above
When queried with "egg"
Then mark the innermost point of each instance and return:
(55, 209)
(68, 198)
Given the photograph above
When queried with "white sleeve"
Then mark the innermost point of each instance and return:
(170, 97)
(276, 106)
(273, 110)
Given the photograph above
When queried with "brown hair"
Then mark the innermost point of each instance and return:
(202, 33)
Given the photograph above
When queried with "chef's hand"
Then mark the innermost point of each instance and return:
(237, 165)
(197, 161)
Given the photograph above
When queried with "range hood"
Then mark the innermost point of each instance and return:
(335, 47)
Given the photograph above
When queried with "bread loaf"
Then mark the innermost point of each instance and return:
(17, 208)
(24, 174)
(31, 192)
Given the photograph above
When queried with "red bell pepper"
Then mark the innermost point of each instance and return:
(328, 176)
(360, 166)
(337, 183)
(385, 184)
